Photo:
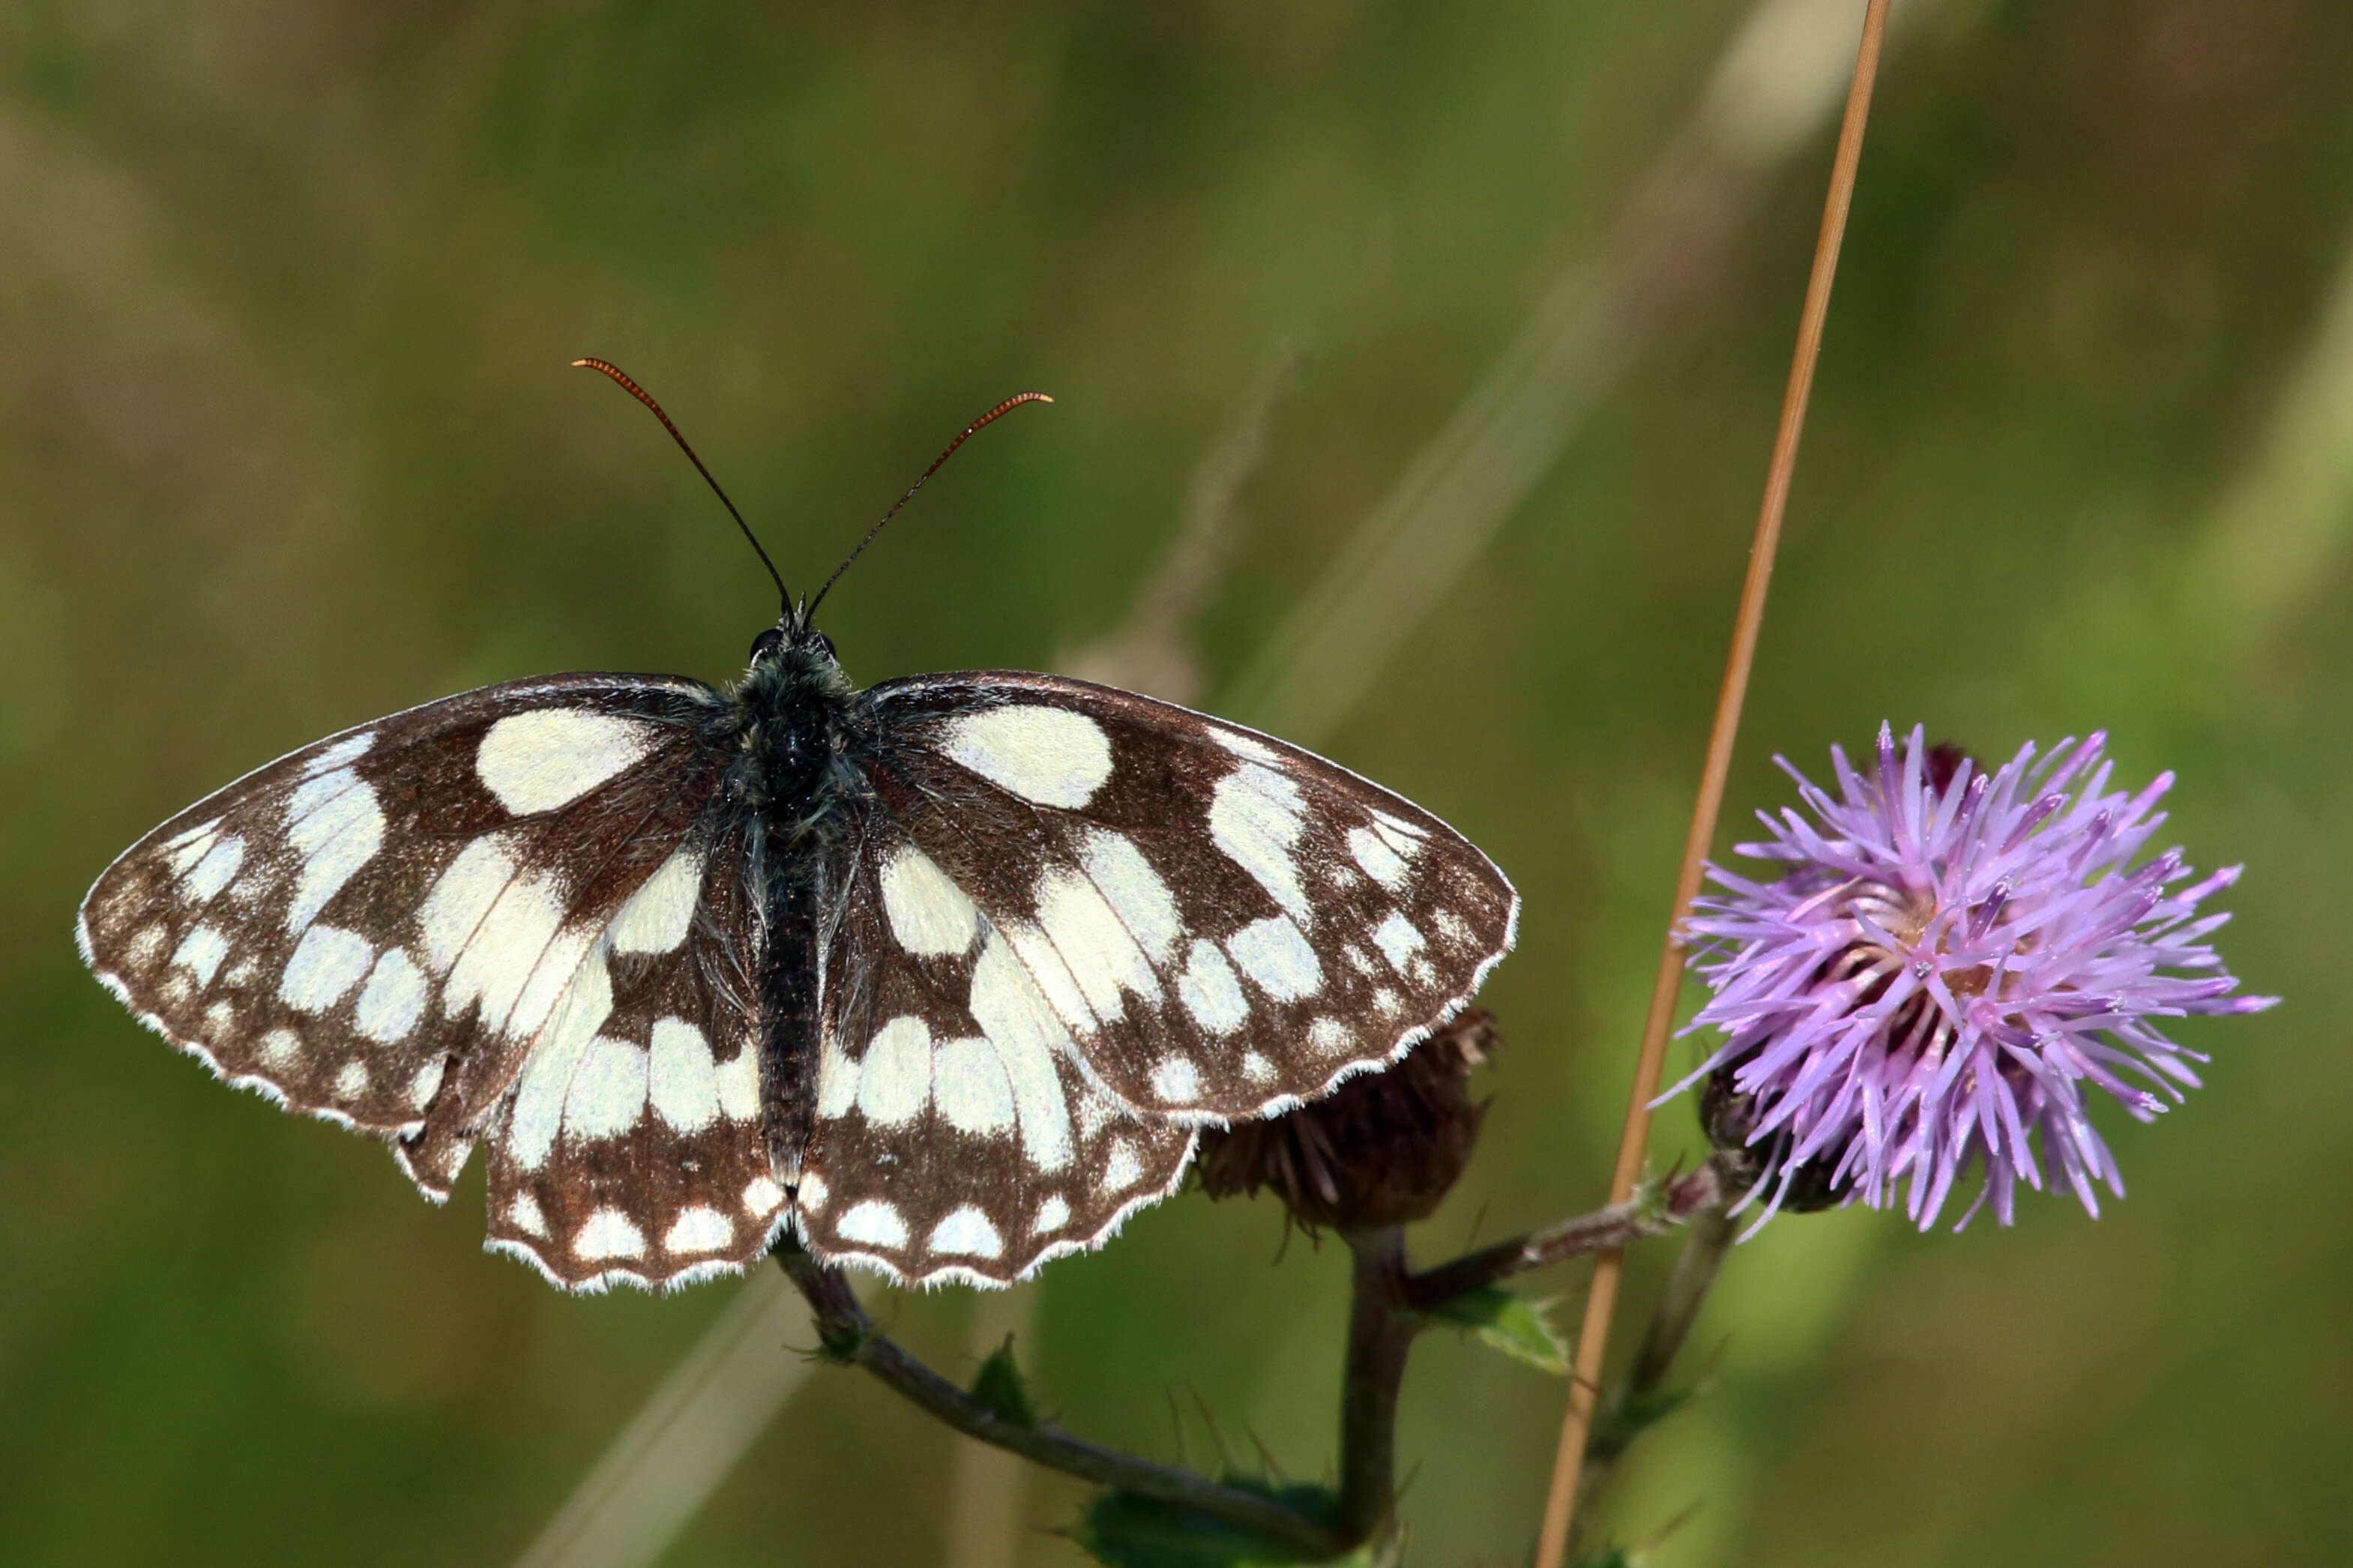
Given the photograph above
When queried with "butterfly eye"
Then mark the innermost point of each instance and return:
(766, 643)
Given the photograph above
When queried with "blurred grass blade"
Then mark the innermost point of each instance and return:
(988, 1488)
(677, 1450)
(2279, 531)
(1777, 84)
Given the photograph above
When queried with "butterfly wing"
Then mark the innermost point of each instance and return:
(633, 1144)
(378, 928)
(1085, 920)
(954, 1136)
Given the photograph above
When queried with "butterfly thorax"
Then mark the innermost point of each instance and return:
(796, 714)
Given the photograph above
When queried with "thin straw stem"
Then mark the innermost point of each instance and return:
(1593, 1340)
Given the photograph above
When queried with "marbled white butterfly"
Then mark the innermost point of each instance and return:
(943, 974)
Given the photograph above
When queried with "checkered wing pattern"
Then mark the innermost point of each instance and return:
(1081, 922)
(456, 925)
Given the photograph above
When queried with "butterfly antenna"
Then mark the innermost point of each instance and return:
(1008, 407)
(642, 396)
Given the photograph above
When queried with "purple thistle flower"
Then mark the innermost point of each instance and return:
(1950, 957)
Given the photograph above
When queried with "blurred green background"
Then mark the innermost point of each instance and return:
(286, 291)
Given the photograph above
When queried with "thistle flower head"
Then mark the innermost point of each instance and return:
(1947, 960)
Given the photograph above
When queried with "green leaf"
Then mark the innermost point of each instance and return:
(998, 1386)
(1510, 1323)
(1123, 1529)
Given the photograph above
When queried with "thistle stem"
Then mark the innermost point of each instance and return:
(1593, 1338)
(1706, 1243)
(850, 1337)
(1381, 1329)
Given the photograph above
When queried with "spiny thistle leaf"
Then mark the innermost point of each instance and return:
(999, 1386)
(1123, 1529)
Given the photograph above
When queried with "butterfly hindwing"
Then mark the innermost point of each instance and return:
(375, 928)
(632, 1145)
(956, 1133)
(1223, 923)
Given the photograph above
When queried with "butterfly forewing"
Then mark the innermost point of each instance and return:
(1220, 924)
(376, 928)
(957, 1133)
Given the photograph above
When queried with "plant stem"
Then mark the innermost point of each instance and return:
(850, 1336)
(1602, 1229)
(1706, 1243)
(1381, 1329)
(1593, 1338)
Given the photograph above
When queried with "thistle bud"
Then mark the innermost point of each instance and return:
(1382, 1149)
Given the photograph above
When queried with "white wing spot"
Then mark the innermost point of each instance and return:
(607, 1092)
(1210, 991)
(537, 762)
(929, 914)
(1255, 818)
(1274, 953)
(811, 1193)
(1052, 1214)
(327, 962)
(762, 1195)
(609, 1234)
(212, 872)
(1453, 929)
(183, 849)
(1121, 1169)
(1360, 961)
(1176, 1078)
(1256, 1068)
(970, 1087)
(462, 895)
(1027, 1035)
(1135, 891)
(524, 1216)
(393, 999)
(1381, 863)
(1403, 835)
(279, 1047)
(141, 949)
(427, 1083)
(698, 1229)
(244, 972)
(1399, 940)
(350, 749)
(1050, 755)
(681, 1080)
(200, 954)
(1387, 1002)
(336, 825)
(1096, 945)
(536, 1112)
(875, 1223)
(350, 1079)
(967, 1233)
(519, 960)
(836, 1080)
(220, 1019)
(1050, 975)
(1329, 1036)
(739, 1086)
(1243, 745)
(659, 915)
(894, 1076)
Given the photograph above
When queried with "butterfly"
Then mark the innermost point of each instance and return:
(943, 977)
